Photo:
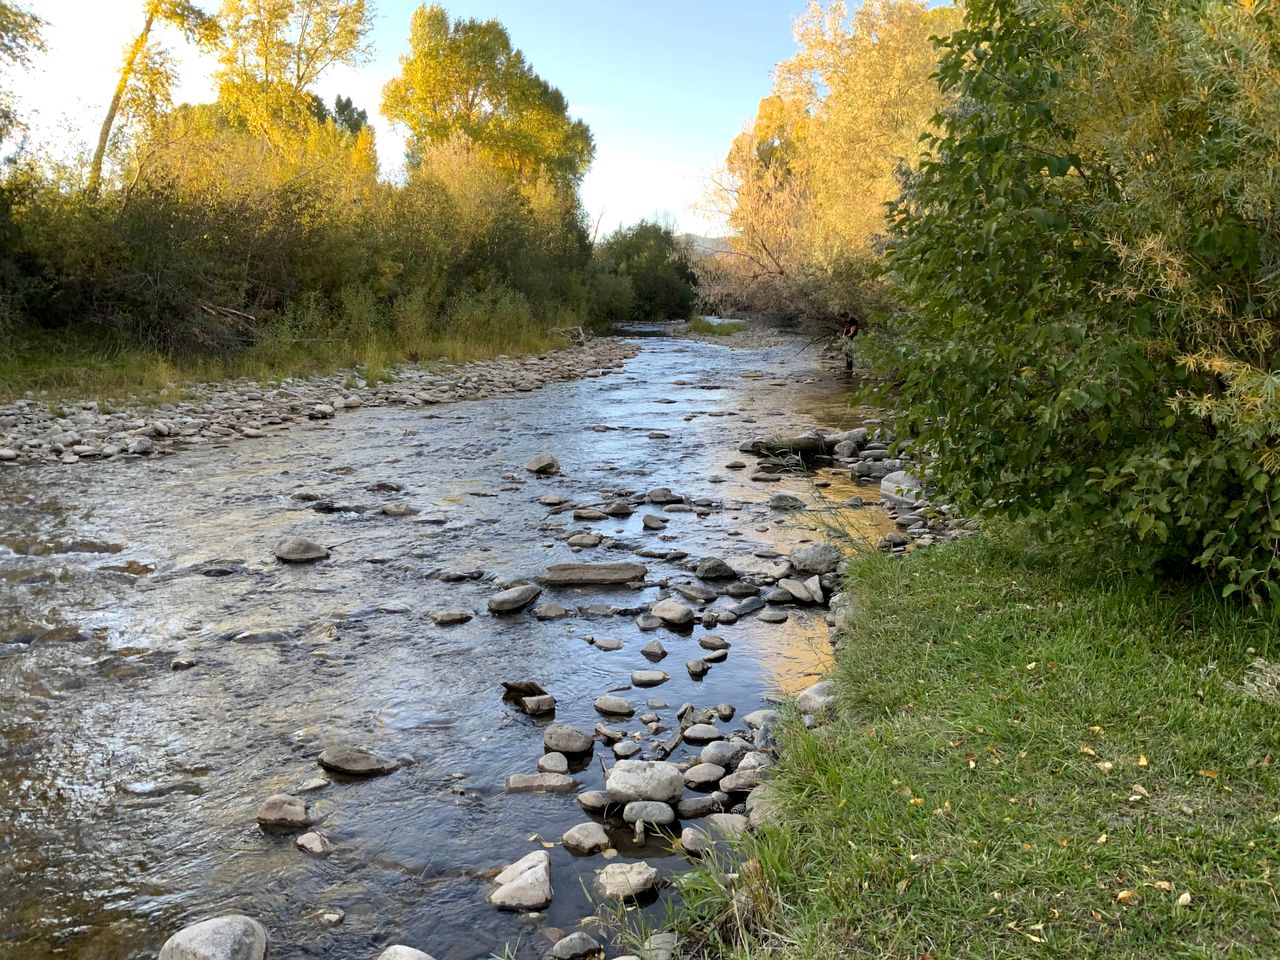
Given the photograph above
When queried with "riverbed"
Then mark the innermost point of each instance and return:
(128, 788)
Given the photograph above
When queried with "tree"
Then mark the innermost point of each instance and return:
(273, 52)
(465, 79)
(149, 64)
(1092, 258)
(805, 186)
(655, 281)
(19, 39)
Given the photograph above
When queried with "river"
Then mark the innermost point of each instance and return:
(128, 789)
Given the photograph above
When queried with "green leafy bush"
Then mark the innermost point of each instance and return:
(1093, 253)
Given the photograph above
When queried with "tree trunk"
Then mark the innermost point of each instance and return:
(126, 73)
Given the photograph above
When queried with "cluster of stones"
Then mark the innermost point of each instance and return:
(33, 430)
(866, 452)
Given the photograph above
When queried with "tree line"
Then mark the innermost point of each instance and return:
(260, 216)
(1063, 221)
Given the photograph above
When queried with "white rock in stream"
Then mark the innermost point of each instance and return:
(525, 885)
(645, 780)
(232, 937)
(626, 881)
(400, 952)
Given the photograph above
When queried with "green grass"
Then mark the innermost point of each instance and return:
(705, 327)
(1030, 761)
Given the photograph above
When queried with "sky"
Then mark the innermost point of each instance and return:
(665, 85)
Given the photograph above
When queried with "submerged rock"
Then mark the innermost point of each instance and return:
(283, 811)
(590, 574)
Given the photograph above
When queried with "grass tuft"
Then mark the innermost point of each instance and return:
(705, 327)
(1031, 761)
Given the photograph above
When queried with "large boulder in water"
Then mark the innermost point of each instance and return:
(631, 780)
(232, 937)
(544, 464)
(355, 761)
(816, 558)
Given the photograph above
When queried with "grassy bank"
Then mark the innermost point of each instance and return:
(90, 364)
(709, 328)
(1031, 761)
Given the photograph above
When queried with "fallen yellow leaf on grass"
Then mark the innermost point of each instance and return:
(1102, 839)
(1142, 759)
(1096, 730)
(1088, 751)
(1127, 897)
(1164, 885)
(917, 801)
(1106, 766)
(1184, 899)
(1211, 774)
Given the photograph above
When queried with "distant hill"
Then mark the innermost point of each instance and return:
(700, 244)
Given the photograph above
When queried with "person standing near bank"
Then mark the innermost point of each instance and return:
(848, 330)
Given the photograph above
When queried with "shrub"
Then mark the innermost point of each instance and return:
(1093, 254)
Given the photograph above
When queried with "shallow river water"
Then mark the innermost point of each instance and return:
(128, 790)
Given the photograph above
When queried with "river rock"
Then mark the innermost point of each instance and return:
(619, 508)
(760, 718)
(553, 763)
(900, 489)
(586, 839)
(619, 882)
(672, 612)
(614, 706)
(819, 700)
(654, 650)
(647, 621)
(697, 668)
(586, 540)
(538, 704)
(550, 611)
(544, 464)
(816, 558)
(562, 738)
(577, 946)
(701, 805)
(724, 753)
(773, 616)
(314, 844)
(525, 885)
(649, 678)
(451, 618)
(702, 733)
(704, 776)
(695, 841)
(650, 522)
(592, 574)
(626, 749)
(645, 780)
(299, 550)
(355, 761)
(741, 781)
(283, 811)
(232, 937)
(399, 951)
(711, 642)
(713, 568)
(540, 783)
(593, 801)
(517, 598)
(649, 811)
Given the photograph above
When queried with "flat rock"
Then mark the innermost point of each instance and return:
(314, 844)
(672, 612)
(553, 763)
(451, 618)
(702, 733)
(644, 780)
(283, 811)
(299, 550)
(562, 738)
(704, 776)
(649, 811)
(586, 839)
(619, 882)
(649, 678)
(711, 642)
(232, 937)
(540, 783)
(592, 574)
(517, 598)
(614, 706)
(355, 761)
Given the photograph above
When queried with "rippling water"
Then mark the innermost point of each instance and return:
(128, 790)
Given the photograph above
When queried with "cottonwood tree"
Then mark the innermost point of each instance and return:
(464, 79)
(272, 52)
(148, 71)
(19, 39)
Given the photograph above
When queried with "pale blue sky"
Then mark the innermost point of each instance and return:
(664, 84)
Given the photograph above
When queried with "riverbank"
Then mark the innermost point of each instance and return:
(1027, 760)
(219, 411)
